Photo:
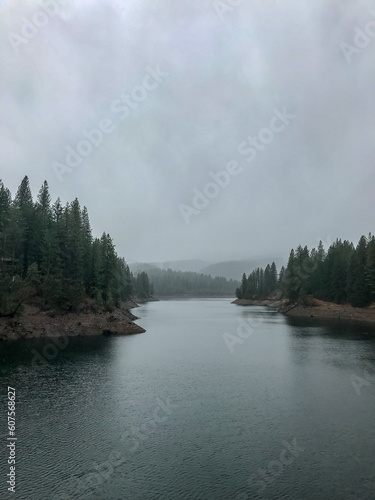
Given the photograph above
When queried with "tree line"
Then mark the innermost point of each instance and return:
(168, 283)
(343, 274)
(142, 286)
(47, 251)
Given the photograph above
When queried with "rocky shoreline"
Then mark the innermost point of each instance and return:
(36, 323)
(316, 309)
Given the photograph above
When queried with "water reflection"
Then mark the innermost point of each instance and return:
(308, 380)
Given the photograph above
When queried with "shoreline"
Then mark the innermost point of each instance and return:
(169, 297)
(35, 323)
(318, 309)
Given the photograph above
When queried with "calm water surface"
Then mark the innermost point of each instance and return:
(201, 406)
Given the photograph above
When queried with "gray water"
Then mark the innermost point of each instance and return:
(181, 413)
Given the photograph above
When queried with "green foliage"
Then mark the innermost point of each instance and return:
(142, 286)
(370, 267)
(342, 274)
(11, 294)
(33, 275)
(359, 287)
(261, 283)
(49, 251)
(166, 282)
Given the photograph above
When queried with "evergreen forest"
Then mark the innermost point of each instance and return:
(48, 254)
(344, 274)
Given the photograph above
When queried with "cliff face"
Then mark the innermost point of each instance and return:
(36, 323)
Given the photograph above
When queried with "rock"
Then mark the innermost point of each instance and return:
(87, 323)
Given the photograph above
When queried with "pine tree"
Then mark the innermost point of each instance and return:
(273, 278)
(95, 271)
(23, 198)
(23, 205)
(43, 220)
(291, 282)
(337, 264)
(261, 291)
(43, 203)
(281, 278)
(244, 287)
(5, 207)
(108, 264)
(370, 267)
(267, 286)
(251, 285)
(50, 249)
(303, 269)
(86, 246)
(123, 281)
(359, 292)
(143, 285)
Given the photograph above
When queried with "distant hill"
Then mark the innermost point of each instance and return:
(166, 282)
(139, 267)
(192, 265)
(232, 269)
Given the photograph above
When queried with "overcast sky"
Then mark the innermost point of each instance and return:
(179, 86)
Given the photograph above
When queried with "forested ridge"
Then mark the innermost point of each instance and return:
(48, 252)
(167, 282)
(343, 274)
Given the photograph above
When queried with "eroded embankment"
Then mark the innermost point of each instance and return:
(36, 323)
(317, 309)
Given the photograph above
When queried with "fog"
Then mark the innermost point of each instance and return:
(156, 97)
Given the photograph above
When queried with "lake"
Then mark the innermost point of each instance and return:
(213, 402)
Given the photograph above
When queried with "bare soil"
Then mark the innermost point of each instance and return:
(322, 309)
(265, 302)
(36, 323)
(317, 309)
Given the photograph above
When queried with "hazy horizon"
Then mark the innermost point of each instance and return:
(201, 81)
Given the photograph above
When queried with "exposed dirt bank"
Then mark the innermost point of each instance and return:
(35, 323)
(265, 302)
(187, 296)
(317, 309)
(143, 301)
(322, 309)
